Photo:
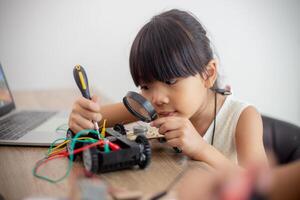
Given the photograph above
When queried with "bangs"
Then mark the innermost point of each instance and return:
(163, 50)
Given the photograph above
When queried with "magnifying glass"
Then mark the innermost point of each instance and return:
(140, 107)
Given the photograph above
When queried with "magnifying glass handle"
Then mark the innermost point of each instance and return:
(177, 149)
(81, 81)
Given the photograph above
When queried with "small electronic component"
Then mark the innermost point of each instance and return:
(140, 130)
(152, 132)
(120, 128)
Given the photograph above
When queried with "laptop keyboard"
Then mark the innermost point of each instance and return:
(18, 124)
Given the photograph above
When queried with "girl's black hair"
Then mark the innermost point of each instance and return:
(173, 44)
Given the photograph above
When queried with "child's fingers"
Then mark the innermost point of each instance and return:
(175, 142)
(75, 127)
(88, 114)
(172, 135)
(82, 122)
(158, 122)
(165, 120)
(88, 104)
(169, 125)
(95, 98)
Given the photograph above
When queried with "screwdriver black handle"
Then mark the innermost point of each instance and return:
(81, 81)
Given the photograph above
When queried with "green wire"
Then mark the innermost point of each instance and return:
(82, 141)
(70, 164)
(53, 143)
(106, 146)
(63, 127)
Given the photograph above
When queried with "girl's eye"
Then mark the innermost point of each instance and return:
(171, 81)
(144, 87)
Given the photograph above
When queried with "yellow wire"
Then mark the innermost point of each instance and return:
(58, 147)
(55, 149)
(61, 144)
(103, 129)
(84, 138)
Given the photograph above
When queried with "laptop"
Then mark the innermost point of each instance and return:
(28, 127)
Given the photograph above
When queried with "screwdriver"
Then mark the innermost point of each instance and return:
(83, 85)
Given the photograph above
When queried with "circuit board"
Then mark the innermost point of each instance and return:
(152, 132)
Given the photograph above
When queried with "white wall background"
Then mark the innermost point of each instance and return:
(258, 43)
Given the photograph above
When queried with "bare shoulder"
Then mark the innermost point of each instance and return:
(249, 137)
(249, 121)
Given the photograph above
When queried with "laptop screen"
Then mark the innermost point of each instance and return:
(6, 100)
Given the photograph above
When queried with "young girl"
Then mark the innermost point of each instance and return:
(172, 62)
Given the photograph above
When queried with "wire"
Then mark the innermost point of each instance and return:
(215, 114)
(106, 142)
(60, 155)
(103, 129)
(63, 127)
(65, 153)
(106, 146)
(57, 149)
(55, 152)
(66, 142)
(55, 143)
(62, 144)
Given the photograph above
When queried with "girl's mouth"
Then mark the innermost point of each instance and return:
(166, 114)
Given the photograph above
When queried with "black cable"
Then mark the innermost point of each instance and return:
(159, 195)
(215, 114)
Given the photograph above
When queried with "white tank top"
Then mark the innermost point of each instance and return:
(226, 122)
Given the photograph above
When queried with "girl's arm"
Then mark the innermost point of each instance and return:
(116, 113)
(249, 138)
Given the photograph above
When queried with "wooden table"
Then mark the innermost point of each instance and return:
(16, 163)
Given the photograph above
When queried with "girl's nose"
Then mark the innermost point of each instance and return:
(159, 98)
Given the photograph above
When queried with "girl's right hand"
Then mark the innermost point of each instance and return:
(84, 112)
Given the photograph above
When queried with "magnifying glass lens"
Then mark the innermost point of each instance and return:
(137, 107)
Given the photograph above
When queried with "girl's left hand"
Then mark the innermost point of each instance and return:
(180, 132)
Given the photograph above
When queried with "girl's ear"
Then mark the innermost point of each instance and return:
(210, 74)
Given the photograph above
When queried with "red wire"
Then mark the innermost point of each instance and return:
(100, 142)
(66, 153)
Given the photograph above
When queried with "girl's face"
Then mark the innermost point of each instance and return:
(178, 97)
